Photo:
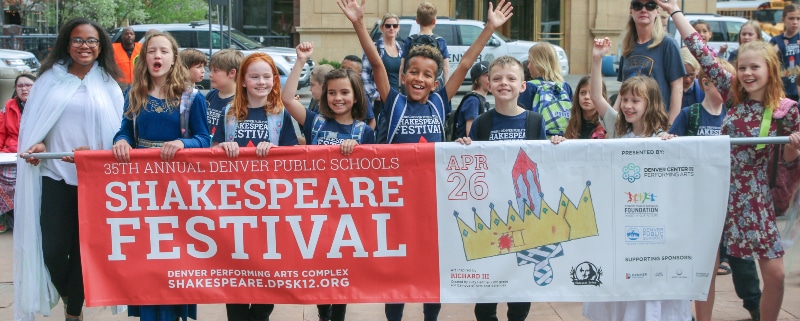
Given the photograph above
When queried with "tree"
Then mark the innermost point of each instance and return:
(175, 11)
(130, 12)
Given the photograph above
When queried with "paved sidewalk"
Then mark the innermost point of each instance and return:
(727, 308)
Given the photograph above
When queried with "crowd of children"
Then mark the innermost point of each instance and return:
(718, 99)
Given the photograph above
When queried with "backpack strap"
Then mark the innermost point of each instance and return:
(397, 112)
(187, 99)
(777, 154)
(533, 125)
(358, 130)
(438, 106)
(230, 127)
(316, 127)
(694, 119)
(484, 126)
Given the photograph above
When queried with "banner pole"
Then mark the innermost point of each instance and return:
(734, 141)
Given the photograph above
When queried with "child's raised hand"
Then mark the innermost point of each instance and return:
(668, 5)
(601, 47)
(304, 50)
(498, 16)
(351, 9)
(464, 140)
(347, 146)
(557, 139)
(262, 149)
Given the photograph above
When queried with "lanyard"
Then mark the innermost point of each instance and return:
(766, 121)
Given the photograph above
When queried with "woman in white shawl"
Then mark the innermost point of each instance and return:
(76, 104)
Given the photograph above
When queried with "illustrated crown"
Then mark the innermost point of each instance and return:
(523, 232)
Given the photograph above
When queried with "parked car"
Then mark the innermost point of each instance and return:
(461, 33)
(196, 35)
(724, 30)
(22, 61)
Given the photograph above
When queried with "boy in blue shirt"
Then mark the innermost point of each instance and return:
(224, 66)
(508, 121)
(419, 115)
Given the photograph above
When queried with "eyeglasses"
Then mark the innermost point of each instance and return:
(650, 6)
(21, 86)
(78, 42)
(391, 25)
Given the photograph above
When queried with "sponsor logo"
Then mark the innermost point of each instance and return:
(701, 275)
(630, 276)
(640, 198)
(631, 172)
(679, 274)
(645, 234)
(668, 171)
(586, 273)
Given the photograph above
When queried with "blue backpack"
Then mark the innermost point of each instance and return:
(555, 105)
(319, 122)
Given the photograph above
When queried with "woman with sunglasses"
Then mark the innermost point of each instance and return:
(391, 51)
(9, 134)
(75, 105)
(646, 51)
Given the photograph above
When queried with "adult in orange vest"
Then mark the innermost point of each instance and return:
(125, 53)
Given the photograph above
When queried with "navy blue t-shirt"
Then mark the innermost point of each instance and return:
(333, 133)
(662, 63)
(693, 96)
(469, 110)
(525, 99)
(419, 121)
(709, 125)
(277, 129)
(216, 106)
(789, 55)
(506, 127)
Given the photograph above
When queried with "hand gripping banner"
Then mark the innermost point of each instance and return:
(509, 221)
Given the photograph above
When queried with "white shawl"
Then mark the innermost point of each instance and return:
(33, 291)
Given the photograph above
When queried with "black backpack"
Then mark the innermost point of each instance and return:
(533, 126)
(452, 117)
(430, 40)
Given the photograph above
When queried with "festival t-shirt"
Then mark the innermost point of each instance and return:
(216, 106)
(709, 125)
(789, 57)
(420, 123)
(257, 127)
(333, 133)
(506, 127)
(662, 63)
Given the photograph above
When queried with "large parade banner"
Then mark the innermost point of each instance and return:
(511, 221)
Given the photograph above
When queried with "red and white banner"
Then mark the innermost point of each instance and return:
(512, 221)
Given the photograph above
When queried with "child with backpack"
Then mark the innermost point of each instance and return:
(586, 121)
(195, 61)
(426, 18)
(507, 121)
(421, 105)
(547, 93)
(224, 66)
(788, 47)
(354, 63)
(472, 105)
(641, 115)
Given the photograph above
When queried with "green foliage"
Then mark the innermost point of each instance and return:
(130, 12)
(101, 11)
(335, 64)
(176, 11)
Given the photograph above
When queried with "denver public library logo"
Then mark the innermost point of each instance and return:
(586, 273)
(631, 172)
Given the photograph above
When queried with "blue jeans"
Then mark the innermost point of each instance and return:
(394, 311)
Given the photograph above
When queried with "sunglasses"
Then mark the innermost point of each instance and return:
(391, 25)
(650, 6)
